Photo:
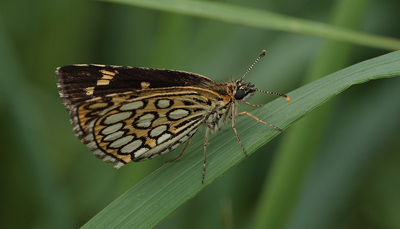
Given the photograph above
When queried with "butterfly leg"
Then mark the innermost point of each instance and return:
(257, 119)
(205, 154)
(234, 129)
(173, 159)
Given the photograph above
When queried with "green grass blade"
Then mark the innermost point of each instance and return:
(263, 19)
(173, 184)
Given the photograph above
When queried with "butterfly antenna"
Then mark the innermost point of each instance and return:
(254, 63)
(274, 93)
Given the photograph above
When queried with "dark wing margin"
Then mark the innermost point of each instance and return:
(78, 83)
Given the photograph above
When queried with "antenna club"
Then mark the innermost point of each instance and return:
(263, 53)
(288, 98)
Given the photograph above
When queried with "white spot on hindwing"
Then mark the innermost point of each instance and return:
(140, 152)
(145, 120)
(156, 131)
(118, 117)
(114, 136)
(132, 146)
(132, 106)
(111, 129)
(177, 114)
(163, 138)
(120, 142)
(164, 103)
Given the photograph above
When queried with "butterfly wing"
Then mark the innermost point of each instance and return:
(78, 83)
(133, 124)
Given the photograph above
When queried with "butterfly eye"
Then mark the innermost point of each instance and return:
(240, 94)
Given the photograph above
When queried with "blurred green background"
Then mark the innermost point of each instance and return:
(51, 180)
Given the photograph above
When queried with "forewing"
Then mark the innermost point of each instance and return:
(78, 83)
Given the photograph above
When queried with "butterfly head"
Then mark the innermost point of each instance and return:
(243, 91)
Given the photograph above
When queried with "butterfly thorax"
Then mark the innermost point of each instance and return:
(231, 93)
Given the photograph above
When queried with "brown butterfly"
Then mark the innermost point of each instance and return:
(128, 114)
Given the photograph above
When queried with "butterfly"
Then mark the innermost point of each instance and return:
(128, 114)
